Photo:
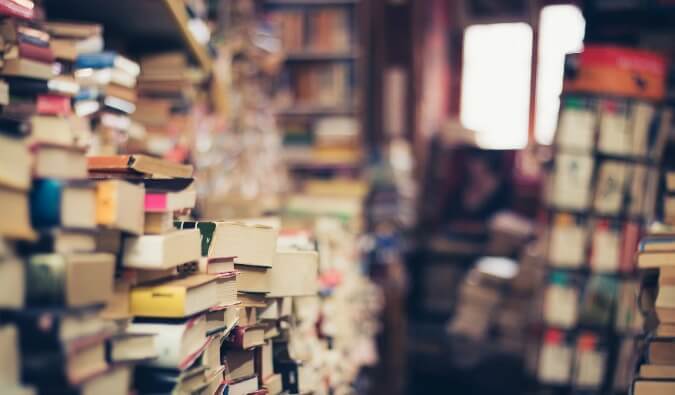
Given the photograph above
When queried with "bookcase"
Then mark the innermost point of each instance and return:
(318, 101)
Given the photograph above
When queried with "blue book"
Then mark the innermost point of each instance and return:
(67, 204)
(106, 60)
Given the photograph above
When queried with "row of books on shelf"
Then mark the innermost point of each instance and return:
(585, 243)
(612, 126)
(322, 86)
(317, 30)
(608, 187)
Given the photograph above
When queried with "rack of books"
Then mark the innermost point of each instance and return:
(317, 99)
(600, 193)
(108, 283)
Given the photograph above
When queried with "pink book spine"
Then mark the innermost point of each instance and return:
(155, 202)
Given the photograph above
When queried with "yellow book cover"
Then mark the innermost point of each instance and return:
(106, 202)
(176, 298)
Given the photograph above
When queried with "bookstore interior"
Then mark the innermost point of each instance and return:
(337, 197)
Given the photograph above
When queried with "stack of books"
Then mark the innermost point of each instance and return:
(107, 95)
(656, 370)
(168, 88)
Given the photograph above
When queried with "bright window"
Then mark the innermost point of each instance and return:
(496, 71)
(561, 31)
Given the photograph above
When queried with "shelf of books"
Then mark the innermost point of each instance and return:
(601, 193)
(114, 154)
(318, 99)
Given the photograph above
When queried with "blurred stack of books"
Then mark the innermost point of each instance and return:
(655, 371)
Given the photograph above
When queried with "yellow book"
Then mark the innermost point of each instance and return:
(120, 205)
(177, 298)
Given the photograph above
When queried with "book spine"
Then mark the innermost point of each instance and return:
(35, 52)
(106, 203)
(156, 202)
(23, 38)
(27, 87)
(159, 303)
(45, 203)
(46, 279)
(95, 61)
(11, 8)
(236, 338)
(53, 105)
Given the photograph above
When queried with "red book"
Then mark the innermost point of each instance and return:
(35, 52)
(19, 8)
(53, 105)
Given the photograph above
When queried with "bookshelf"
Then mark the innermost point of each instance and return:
(144, 26)
(321, 75)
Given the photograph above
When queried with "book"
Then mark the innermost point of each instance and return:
(665, 303)
(266, 360)
(73, 29)
(15, 165)
(226, 288)
(54, 105)
(653, 387)
(254, 279)
(28, 50)
(251, 299)
(216, 265)
(69, 280)
(610, 186)
(661, 352)
(68, 49)
(178, 298)
(128, 347)
(108, 59)
(56, 161)
(119, 205)
(177, 343)
(656, 259)
(651, 371)
(10, 361)
(567, 240)
(244, 338)
(252, 245)
(16, 223)
(222, 319)
(28, 68)
(572, 181)
(294, 273)
(23, 9)
(50, 130)
(55, 367)
(158, 223)
(555, 359)
(161, 251)
(137, 164)
(244, 386)
(67, 329)
(248, 316)
(241, 363)
(170, 201)
(67, 204)
(12, 283)
(273, 384)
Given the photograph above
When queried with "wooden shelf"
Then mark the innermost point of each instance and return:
(141, 25)
(310, 2)
(319, 56)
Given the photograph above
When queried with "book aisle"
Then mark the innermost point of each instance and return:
(120, 138)
(337, 197)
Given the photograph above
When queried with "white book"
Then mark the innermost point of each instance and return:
(294, 273)
(576, 129)
(610, 187)
(572, 181)
(162, 251)
(177, 344)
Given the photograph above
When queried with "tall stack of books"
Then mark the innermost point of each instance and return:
(655, 371)
(158, 284)
(601, 190)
